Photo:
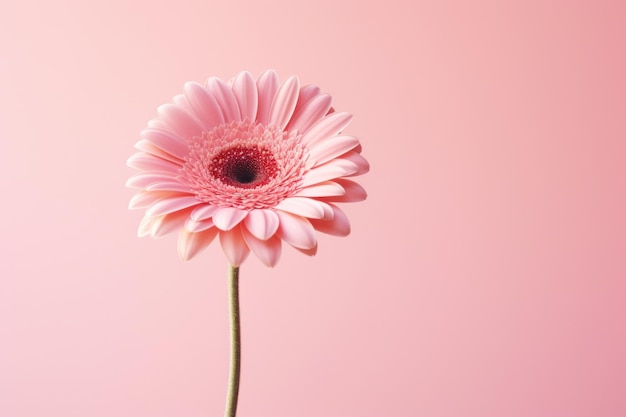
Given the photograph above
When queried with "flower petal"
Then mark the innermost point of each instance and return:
(329, 126)
(170, 186)
(307, 92)
(198, 225)
(338, 226)
(262, 224)
(225, 98)
(167, 141)
(145, 198)
(285, 102)
(234, 247)
(144, 226)
(170, 205)
(329, 171)
(225, 218)
(204, 105)
(308, 252)
(302, 206)
(267, 84)
(203, 212)
(189, 243)
(305, 95)
(324, 151)
(328, 211)
(158, 124)
(168, 223)
(144, 179)
(181, 101)
(296, 230)
(180, 121)
(353, 192)
(146, 162)
(150, 148)
(244, 88)
(323, 189)
(268, 251)
(310, 113)
(358, 160)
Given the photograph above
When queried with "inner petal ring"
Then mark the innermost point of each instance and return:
(245, 165)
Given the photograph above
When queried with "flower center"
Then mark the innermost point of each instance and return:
(245, 167)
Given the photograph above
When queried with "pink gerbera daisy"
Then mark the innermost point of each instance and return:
(252, 161)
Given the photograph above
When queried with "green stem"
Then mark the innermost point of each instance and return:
(235, 343)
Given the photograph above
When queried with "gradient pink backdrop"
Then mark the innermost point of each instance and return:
(485, 275)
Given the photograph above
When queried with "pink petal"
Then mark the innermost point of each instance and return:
(181, 101)
(189, 244)
(234, 247)
(268, 251)
(338, 226)
(170, 186)
(329, 171)
(296, 230)
(204, 105)
(144, 199)
(323, 189)
(310, 113)
(308, 252)
(158, 124)
(185, 125)
(198, 226)
(144, 179)
(203, 212)
(328, 210)
(147, 162)
(307, 92)
(330, 148)
(354, 192)
(285, 102)
(305, 95)
(225, 98)
(247, 95)
(225, 218)
(262, 224)
(358, 160)
(170, 205)
(267, 84)
(302, 206)
(329, 126)
(168, 223)
(150, 148)
(144, 226)
(167, 141)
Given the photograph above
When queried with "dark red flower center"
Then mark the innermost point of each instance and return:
(244, 167)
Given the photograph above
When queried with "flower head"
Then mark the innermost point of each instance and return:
(251, 161)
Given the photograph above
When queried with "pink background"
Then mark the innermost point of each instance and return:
(485, 275)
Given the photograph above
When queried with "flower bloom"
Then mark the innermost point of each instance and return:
(251, 161)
